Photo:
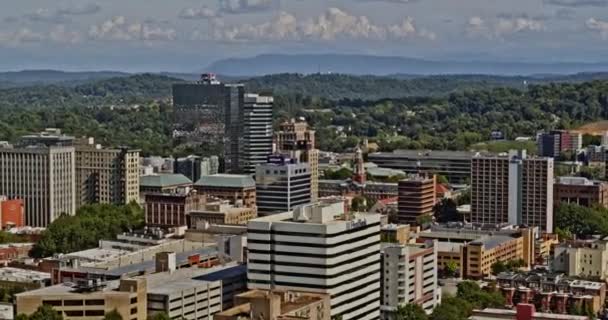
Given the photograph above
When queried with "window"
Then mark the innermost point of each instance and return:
(54, 303)
(74, 313)
(95, 302)
(94, 313)
(73, 303)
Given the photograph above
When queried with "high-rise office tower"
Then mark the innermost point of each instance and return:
(106, 175)
(298, 140)
(41, 171)
(416, 198)
(513, 189)
(282, 184)
(318, 248)
(556, 142)
(409, 276)
(256, 143)
(208, 114)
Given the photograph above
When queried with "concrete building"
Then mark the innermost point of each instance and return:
(587, 258)
(513, 189)
(273, 305)
(236, 188)
(554, 292)
(256, 143)
(282, 184)
(298, 140)
(323, 250)
(409, 276)
(220, 212)
(194, 293)
(89, 299)
(454, 165)
(164, 183)
(581, 191)
(417, 198)
(12, 213)
(11, 278)
(42, 175)
(208, 114)
(105, 175)
(168, 210)
(475, 248)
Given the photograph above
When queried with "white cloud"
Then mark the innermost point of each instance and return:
(598, 26)
(62, 35)
(45, 15)
(334, 24)
(19, 37)
(502, 26)
(118, 29)
(80, 9)
(245, 6)
(194, 13)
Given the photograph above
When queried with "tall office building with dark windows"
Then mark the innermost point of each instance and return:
(282, 184)
(208, 114)
(256, 143)
(318, 248)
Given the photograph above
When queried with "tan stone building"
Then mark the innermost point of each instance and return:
(221, 212)
(106, 175)
(89, 300)
(298, 140)
(278, 305)
(581, 191)
(238, 189)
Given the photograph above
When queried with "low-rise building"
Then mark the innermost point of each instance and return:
(521, 312)
(587, 258)
(168, 210)
(236, 188)
(221, 212)
(278, 305)
(553, 292)
(581, 191)
(12, 213)
(23, 279)
(89, 299)
(163, 183)
(409, 276)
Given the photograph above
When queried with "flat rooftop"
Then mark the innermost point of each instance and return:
(492, 242)
(23, 275)
(425, 154)
(226, 181)
(187, 278)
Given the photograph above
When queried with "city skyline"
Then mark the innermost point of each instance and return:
(187, 35)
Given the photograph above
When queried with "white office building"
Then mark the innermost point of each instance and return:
(409, 276)
(318, 248)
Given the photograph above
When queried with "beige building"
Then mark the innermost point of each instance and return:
(513, 189)
(297, 140)
(221, 212)
(41, 175)
(89, 300)
(278, 305)
(417, 198)
(582, 258)
(106, 175)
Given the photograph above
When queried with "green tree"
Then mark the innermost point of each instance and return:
(112, 315)
(410, 312)
(45, 312)
(498, 267)
(359, 204)
(451, 269)
(452, 308)
(159, 316)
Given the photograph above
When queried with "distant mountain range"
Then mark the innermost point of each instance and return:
(383, 65)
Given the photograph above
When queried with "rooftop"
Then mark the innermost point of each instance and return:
(226, 181)
(187, 278)
(164, 180)
(492, 242)
(22, 275)
(429, 154)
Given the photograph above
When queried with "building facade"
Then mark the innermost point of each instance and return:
(513, 189)
(281, 185)
(554, 143)
(581, 191)
(319, 253)
(417, 198)
(409, 276)
(12, 213)
(220, 213)
(256, 143)
(208, 114)
(108, 176)
(194, 167)
(44, 177)
(298, 140)
(168, 210)
(238, 189)
(582, 258)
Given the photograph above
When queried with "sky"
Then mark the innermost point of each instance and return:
(188, 35)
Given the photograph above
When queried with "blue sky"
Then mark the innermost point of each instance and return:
(186, 35)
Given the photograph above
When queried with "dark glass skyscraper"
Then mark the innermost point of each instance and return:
(208, 116)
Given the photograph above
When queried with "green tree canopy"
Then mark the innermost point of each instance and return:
(410, 312)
